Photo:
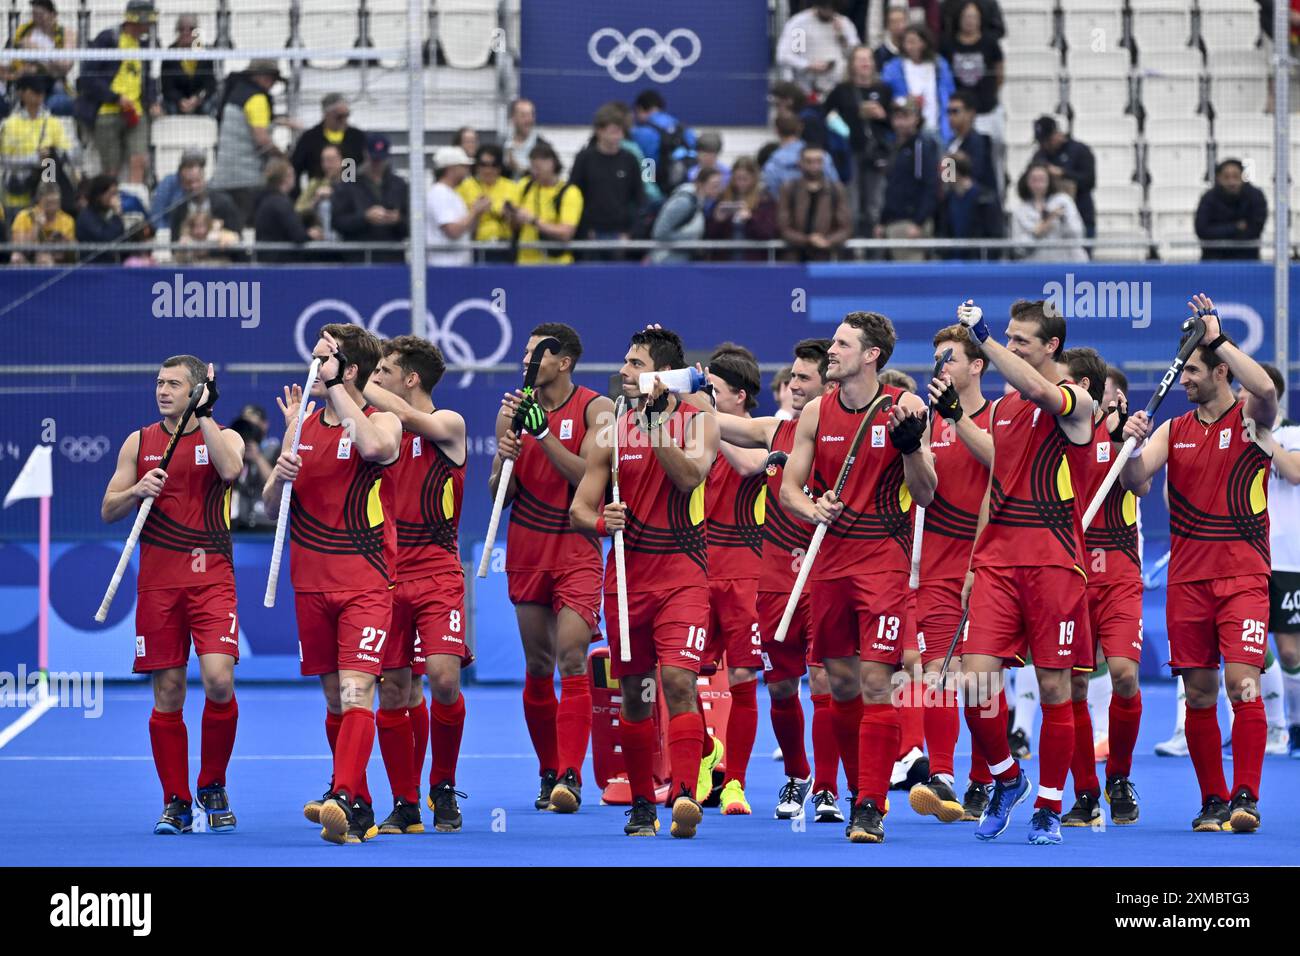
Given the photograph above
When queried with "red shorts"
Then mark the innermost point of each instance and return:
(166, 619)
(1225, 617)
(788, 659)
(577, 588)
(938, 613)
(1018, 611)
(909, 624)
(343, 630)
(733, 624)
(428, 619)
(860, 616)
(669, 628)
(1115, 612)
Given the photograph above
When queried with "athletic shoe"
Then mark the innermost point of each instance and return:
(1045, 827)
(687, 814)
(794, 794)
(216, 804)
(1018, 741)
(446, 811)
(997, 815)
(1086, 812)
(363, 826)
(405, 818)
(566, 796)
(1214, 816)
(1278, 740)
(913, 768)
(177, 818)
(1123, 799)
(336, 819)
(867, 824)
(311, 809)
(642, 820)
(1101, 749)
(935, 798)
(1175, 746)
(543, 801)
(704, 786)
(826, 808)
(1245, 812)
(975, 801)
(777, 755)
(733, 800)
(1293, 745)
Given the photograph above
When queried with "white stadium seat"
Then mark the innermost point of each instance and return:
(388, 23)
(1166, 25)
(1117, 197)
(1238, 94)
(1106, 125)
(1030, 97)
(1170, 95)
(1093, 26)
(1225, 23)
(1100, 89)
(1035, 62)
(465, 31)
(1115, 162)
(1238, 59)
(1169, 62)
(188, 132)
(264, 27)
(1028, 28)
(1112, 64)
(1183, 166)
(1238, 128)
(1163, 130)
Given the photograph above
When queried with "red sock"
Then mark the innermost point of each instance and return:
(911, 720)
(826, 749)
(742, 726)
(446, 724)
(684, 752)
(879, 731)
(1205, 747)
(420, 739)
(638, 738)
(846, 717)
(1249, 737)
(1125, 716)
(988, 730)
(356, 740)
(1083, 763)
(397, 747)
(1056, 749)
(540, 707)
(706, 738)
(217, 741)
(942, 725)
(171, 754)
(573, 723)
(332, 724)
(787, 724)
(979, 765)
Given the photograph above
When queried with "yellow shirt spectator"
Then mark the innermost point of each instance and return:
(492, 225)
(22, 136)
(31, 225)
(257, 109)
(560, 204)
(129, 80)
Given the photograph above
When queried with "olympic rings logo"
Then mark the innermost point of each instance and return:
(455, 347)
(84, 447)
(644, 61)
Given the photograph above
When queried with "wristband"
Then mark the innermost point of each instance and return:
(600, 526)
(1221, 340)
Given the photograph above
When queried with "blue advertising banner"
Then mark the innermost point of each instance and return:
(708, 61)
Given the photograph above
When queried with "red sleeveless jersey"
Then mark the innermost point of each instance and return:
(539, 537)
(1111, 543)
(1218, 499)
(735, 510)
(951, 518)
(190, 515)
(785, 537)
(874, 531)
(341, 533)
(665, 540)
(428, 488)
(1032, 516)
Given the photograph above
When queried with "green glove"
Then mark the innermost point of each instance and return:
(533, 418)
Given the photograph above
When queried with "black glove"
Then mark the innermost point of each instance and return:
(1117, 433)
(532, 418)
(906, 435)
(948, 404)
(204, 409)
(343, 365)
(775, 460)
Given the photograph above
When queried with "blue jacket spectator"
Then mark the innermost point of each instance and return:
(911, 184)
(969, 211)
(969, 142)
(654, 128)
(922, 73)
(783, 165)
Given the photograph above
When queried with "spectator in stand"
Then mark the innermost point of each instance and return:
(743, 211)
(785, 163)
(969, 210)
(44, 32)
(707, 151)
(682, 216)
(276, 220)
(858, 12)
(789, 97)
(523, 136)
(912, 183)
(117, 98)
(656, 128)
(544, 208)
(975, 55)
(373, 209)
(101, 220)
(813, 212)
(189, 87)
(923, 74)
(814, 47)
(1071, 163)
(198, 197)
(967, 141)
(926, 13)
(200, 229)
(450, 222)
(1231, 209)
(610, 180)
(654, 196)
(244, 140)
(487, 180)
(315, 205)
(891, 45)
(28, 136)
(467, 139)
(863, 101)
(332, 130)
(44, 223)
(990, 11)
(1045, 212)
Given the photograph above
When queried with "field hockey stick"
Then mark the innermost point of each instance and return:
(508, 466)
(952, 645)
(620, 562)
(918, 526)
(282, 519)
(882, 403)
(143, 514)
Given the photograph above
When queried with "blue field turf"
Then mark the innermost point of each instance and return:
(81, 792)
